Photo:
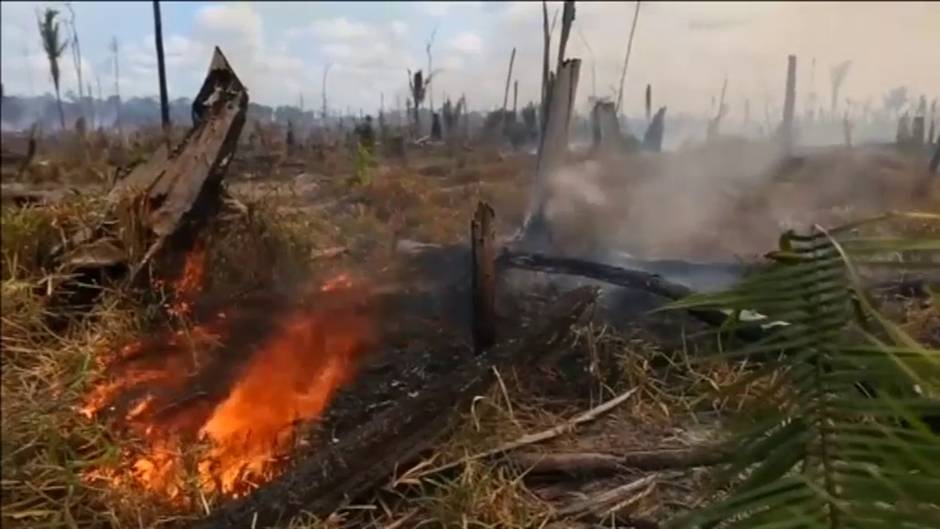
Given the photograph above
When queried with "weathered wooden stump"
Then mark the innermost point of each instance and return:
(483, 255)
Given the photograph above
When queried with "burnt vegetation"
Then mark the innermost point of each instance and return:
(218, 314)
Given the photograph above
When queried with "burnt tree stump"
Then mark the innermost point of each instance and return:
(156, 213)
(483, 266)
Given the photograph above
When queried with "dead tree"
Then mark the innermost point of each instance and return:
(161, 206)
(847, 129)
(546, 70)
(715, 123)
(606, 128)
(430, 90)
(561, 90)
(512, 59)
(418, 85)
(323, 112)
(648, 103)
(653, 138)
(837, 77)
(117, 83)
(54, 47)
(483, 278)
(626, 59)
(161, 68)
(786, 127)
(76, 56)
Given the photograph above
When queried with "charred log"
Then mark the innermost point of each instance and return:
(636, 279)
(364, 457)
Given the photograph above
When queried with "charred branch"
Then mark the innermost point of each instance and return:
(635, 279)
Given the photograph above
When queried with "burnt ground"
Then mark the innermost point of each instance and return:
(422, 299)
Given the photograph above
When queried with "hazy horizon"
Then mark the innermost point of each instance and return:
(685, 50)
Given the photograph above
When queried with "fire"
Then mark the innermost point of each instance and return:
(237, 384)
(292, 378)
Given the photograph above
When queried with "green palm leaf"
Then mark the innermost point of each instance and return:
(825, 453)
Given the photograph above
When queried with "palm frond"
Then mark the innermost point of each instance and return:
(843, 441)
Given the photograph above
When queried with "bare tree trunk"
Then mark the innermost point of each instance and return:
(76, 58)
(483, 279)
(515, 96)
(326, 70)
(626, 59)
(546, 75)
(430, 73)
(512, 59)
(786, 128)
(161, 69)
(554, 143)
(567, 17)
(117, 84)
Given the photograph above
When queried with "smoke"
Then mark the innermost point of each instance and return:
(725, 202)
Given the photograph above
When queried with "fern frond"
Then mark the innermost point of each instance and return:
(842, 442)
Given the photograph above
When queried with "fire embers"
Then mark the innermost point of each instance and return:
(217, 406)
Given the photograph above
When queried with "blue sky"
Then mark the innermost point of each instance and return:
(685, 50)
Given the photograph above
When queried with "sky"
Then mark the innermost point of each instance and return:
(685, 50)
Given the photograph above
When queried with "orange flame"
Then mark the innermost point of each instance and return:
(289, 378)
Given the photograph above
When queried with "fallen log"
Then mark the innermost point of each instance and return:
(640, 280)
(366, 456)
(579, 464)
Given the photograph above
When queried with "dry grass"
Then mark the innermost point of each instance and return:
(47, 445)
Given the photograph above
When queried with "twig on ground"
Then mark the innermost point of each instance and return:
(610, 501)
(538, 437)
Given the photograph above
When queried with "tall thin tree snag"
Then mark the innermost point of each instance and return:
(837, 77)
(512, 59)
(560, 89)
(323, 111)
(117, 84)
(626, 59)
(483, 280)
(715, 123)
(653, 138)
(648, 102)
(789, 102)
(554, 144)
(567, 18)
(605, 126)
(161, 68)
(418, 85)
(515, 98)
(430, 90)
(546, 73)
(77, 58)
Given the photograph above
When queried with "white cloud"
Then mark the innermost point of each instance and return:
(440, 9)
(467, 42)
(340, 29)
